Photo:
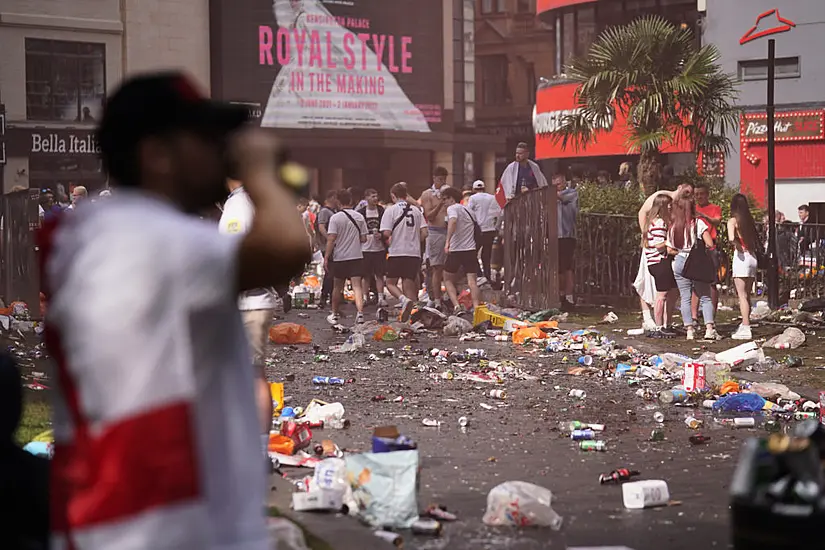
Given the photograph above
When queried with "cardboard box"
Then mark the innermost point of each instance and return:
(320, 500)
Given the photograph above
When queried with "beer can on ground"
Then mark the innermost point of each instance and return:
(393, 538)
(582, 435)
(599, 446)
(498, 394)
(426, 527)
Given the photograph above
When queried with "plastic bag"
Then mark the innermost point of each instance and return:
(791, 338)
(290, 333)
(521, 504)
(354, 342)
(739, 402)
(384, 485)
(456, 326)
(771, 390)
(528, 333)
(385, 334)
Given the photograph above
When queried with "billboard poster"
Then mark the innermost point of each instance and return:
(333, 64)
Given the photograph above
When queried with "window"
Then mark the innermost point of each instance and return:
(65, 81)
(525, 6)
(532, 84)
(757, 69)
(493, 6)
(568, 38)
(585, 29)
(494, 89)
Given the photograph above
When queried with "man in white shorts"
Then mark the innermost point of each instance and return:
(257, 306)
(156, 437)
(403, 225)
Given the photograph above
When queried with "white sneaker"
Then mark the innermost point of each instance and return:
(382, 302)
(407, 306)
(742, 333)
(359, 318)
(333, 318)
(649, 326)
(711, 334)
(691, 333)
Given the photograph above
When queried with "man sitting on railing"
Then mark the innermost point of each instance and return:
(522, 175)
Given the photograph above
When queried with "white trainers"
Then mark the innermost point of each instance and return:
(359, 318)
(742, 333)
(649, 326)
(333, 318)
(691, 333)
(711, 334)
(407, 306)
(382, 302)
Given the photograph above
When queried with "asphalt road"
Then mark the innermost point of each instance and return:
(520, 440)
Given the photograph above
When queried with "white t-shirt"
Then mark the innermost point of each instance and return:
(348, 240)
(485, 209)
(464, 237)
(374, 242)
(144, 323)
(406, 237)
(701, 227)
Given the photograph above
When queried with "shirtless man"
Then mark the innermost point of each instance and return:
(435, 212)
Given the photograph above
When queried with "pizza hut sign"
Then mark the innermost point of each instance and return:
(790, 126)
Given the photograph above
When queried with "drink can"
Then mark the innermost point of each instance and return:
(599, 446)
(801, 415)
(463, 421)
(596, 427)
(745, 422)
(782, 345)
(580, 394)
(657, 434)
(503, 338)
(426, 527)
(431, 423)
(673, 396)
(692, 423)
(582, 435)
(659, 417)
(498, 394)
(393, 538)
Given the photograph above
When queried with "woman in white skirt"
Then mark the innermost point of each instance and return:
(742, 235)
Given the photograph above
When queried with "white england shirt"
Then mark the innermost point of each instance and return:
(156, 433)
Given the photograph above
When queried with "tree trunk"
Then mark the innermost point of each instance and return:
(649, 171)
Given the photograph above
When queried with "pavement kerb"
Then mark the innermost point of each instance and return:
(340, 533)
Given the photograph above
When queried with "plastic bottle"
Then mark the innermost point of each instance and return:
(672, 396)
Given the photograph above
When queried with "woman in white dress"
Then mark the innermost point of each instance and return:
(742, 235)
(391, 110)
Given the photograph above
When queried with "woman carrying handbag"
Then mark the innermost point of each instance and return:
(689, 240)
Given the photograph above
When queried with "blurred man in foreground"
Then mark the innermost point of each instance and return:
(156, 434)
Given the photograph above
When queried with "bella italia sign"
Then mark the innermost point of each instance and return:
(70, 144)
(23, 142)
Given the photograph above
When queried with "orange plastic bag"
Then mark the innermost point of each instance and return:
(281, 444)
(466, 300)
(290, 333)
(385, 334)
(729, 387)
(528, 333)
(547, 324)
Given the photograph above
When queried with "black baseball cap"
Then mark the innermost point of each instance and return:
(154, 104)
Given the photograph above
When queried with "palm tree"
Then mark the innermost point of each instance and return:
(670, 90)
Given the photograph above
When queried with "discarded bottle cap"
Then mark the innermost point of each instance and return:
(463, 421)
(659, 417)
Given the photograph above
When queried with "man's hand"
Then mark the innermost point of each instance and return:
(447, 247)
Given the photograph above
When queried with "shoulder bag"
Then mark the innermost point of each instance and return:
(699, 265)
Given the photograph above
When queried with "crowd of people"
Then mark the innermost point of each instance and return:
(681, 260)
(442, 239)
